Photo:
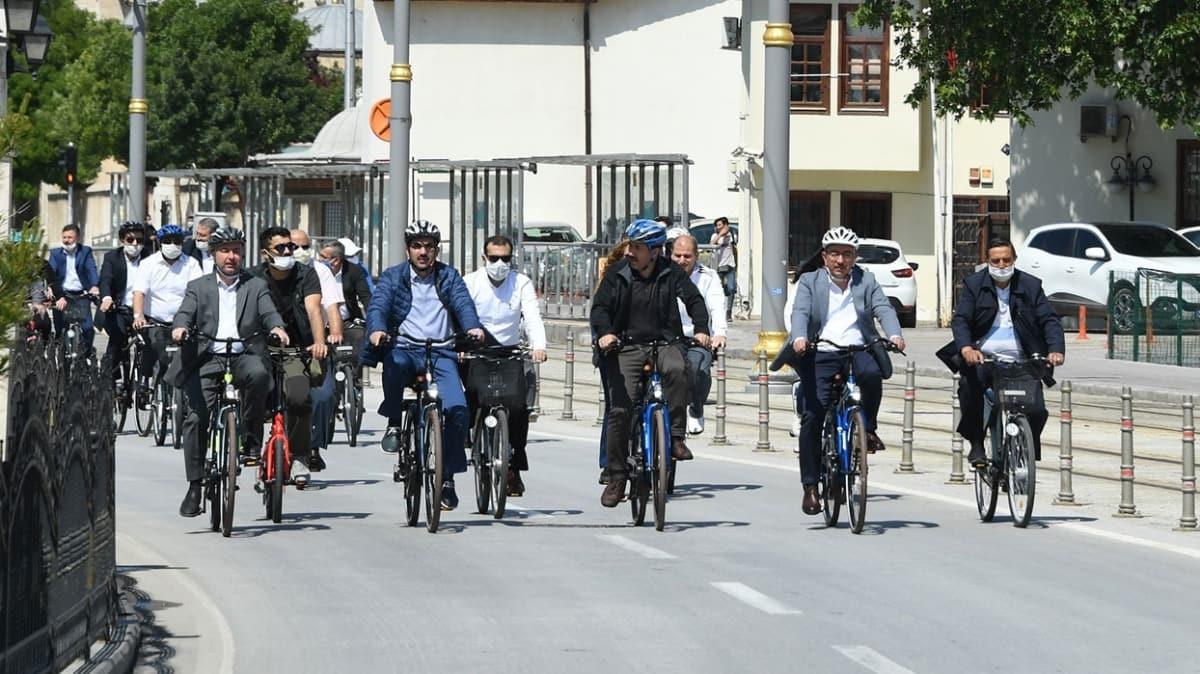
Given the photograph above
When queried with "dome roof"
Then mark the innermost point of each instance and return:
(336, 143)
(329, 29)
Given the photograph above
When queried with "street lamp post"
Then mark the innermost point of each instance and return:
(21, 22)
(1132, 175)
(138, 107)
(401, 124)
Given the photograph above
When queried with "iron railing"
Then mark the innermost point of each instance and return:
(1154, 317)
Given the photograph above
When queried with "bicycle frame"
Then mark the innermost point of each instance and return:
(849, 402)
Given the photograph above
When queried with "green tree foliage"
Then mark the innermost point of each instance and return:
(1031, 53)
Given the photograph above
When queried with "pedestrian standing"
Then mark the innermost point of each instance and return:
(726, 261)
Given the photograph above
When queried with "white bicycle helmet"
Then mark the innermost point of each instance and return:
(840, 236)
(422, 229)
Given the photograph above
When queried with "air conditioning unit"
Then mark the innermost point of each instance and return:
(1098, 120)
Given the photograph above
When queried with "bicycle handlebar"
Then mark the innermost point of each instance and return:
(855, 348)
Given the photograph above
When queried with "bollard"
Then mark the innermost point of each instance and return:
(1187, 521)
(1127, 507)
(1066, 495)
(719, 431)
(956, 442)
(1082, 337)
(764, 406)
(537, 392)
(910, 401)
(568, 409)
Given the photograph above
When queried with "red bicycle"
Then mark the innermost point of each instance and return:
(275, 467)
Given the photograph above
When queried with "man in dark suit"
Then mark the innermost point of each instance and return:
(75, 272)
(197, 247)
(353, 279)
(227, 304)
(116, 290)
(1002, 313)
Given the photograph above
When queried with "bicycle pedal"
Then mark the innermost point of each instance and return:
(259, 487)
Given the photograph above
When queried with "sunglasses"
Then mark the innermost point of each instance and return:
(499, 258)
(422, 245)
(306, 246)
(284, 248)
(133, 239)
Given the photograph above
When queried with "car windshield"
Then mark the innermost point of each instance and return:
(1145, 241)
(1194, 237)
(871, 254)
(551, 235)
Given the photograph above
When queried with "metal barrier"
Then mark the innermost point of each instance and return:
(910, 400)
(1127, 507)
(568, 410)
(1066, 493)
(957, 476)
(1187, 520)
(1154, 317)
(719, 428)
(57, 520)
(764, 406)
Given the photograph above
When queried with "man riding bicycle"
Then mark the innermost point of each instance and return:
(414, 301)
(1002, 313)
(227, 304)
(118, 276)
(699, 358)
(636, 304)
(503, 299)
(296, 291)
(75, 273)
(839, 302)
(158, 292)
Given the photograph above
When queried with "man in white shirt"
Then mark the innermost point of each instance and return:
(197, 247)
(826, 308)
(503, 299)
(161, 283)
(699, 359)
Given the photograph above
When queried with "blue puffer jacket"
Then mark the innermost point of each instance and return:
(392, 300)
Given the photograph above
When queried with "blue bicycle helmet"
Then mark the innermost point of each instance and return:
(170, 230)
(652, 234)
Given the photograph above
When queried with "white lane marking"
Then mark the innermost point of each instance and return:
(872, 660)
(633, 546)
(750, 596)
(224, 633)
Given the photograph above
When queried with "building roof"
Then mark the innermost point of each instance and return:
(329, 28)
(337, 142)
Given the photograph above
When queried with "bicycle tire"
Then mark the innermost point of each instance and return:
(279, 458)
(660, 471)
(671, 478)
(410, 460)
(638, 487)
(359, 406)
(161, 393)
(178, 412)
(856, 477)
(831, 472)
(987, 491)
(348, 395)
(229, 479)
(143, 419)
(120, 409)
(432, 447)
(212, 475)
(499, 457)
(1021, 472)
(483, 476)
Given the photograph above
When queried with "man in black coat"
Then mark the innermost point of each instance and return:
(197, 246)
(117, 273)
(1001, 313)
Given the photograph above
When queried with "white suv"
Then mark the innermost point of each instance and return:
(885, 259)
(1074, 261)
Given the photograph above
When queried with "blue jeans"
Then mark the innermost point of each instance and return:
(400, 367)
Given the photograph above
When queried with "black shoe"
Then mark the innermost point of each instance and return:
(390, 444)
(605, 476)
(315, 463)
(250, 452)
(680, 451)
(449, 497)
(516, 488)
(977, 457)
(812, 500)
(191, 501)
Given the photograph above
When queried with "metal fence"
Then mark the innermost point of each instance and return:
(1154, 317)
(57, 525)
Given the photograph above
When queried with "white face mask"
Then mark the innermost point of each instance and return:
(352, 259)
(282, 262)
(498, 271)
(172, 251)
(70, 247)
(132, 249)
(202, 246)
(303, 256)
(1001, 273)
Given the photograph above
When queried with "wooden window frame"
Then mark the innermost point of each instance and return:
(826, 43)
(1182, 148)
(844, 42)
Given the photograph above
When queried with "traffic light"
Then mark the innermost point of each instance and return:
(68, 160)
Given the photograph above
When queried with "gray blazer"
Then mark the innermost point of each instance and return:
(812, 303)
(198, 313)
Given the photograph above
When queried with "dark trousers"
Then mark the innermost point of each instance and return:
(602, 367)
(158, 338)
(399, 368)
(78, 306)
(816, 372)
(728, 276)
(518, 419)
(973, 382)
(624, 374)
(253, 380)
(119, 325)
(699, 362)
(298, 377)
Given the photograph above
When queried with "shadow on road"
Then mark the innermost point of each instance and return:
(1044, 522)
(308, 517)
(154, 650)
(460, 527)
(705, 491)
(878, 528)
(318, 485)
(254, 531)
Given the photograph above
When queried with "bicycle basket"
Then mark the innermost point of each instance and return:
(1018, 387)
(497, 382)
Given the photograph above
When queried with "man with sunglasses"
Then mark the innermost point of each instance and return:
(296, 292)
(118, 272)
(424, 299)
(161, 283)
(503, 299)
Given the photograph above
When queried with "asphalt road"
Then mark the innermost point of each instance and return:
(740, 581)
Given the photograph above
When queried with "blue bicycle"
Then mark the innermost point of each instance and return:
(844, 444)
(650, 462)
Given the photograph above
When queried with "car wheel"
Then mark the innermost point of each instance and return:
(1126, 309)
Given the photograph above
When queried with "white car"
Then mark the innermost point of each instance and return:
(1077, 260)
(1191, 234)
(885, 259)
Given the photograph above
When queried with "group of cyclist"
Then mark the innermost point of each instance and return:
(653, 297)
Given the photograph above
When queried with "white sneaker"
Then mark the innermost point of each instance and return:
(795, 430)
(300, 474)
(695, 425)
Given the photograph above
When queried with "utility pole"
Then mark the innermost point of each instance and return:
(350, 55)
(401, 124)
(138, 108)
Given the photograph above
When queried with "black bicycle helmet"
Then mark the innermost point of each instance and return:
(130, 226)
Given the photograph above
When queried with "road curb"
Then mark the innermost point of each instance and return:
(119, 655)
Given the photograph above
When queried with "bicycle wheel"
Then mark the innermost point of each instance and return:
(986, 484)
(831, 473)
(143, 410)
(671, 479)
(162, 412)
(212, 472)
(410, 463)
(121, 397)
(483, 466)
(639, 488)
(434, 467)
(499, 451)
(358, 408)
(348, 405)
(1021, 471)
(274, 490)
(660, 474)
(229, 440)
(856, 478)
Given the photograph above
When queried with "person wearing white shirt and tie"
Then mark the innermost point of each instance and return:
(699, 359)
(503, 299)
